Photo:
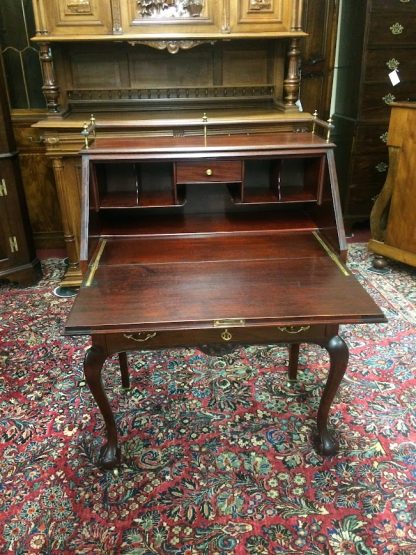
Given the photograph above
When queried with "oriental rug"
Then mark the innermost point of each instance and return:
(218, 453)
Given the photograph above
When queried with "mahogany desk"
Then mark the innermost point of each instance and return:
(238, 243)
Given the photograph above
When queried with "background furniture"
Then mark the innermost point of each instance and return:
(393, 218)
(129, 59)
(18, 262)
(24, 82)
(376, 37)
(23, 79)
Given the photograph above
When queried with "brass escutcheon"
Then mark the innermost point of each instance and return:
(226, 335)
(208, 171)
(139, 338)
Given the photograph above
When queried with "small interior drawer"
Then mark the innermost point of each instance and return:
(209, 171)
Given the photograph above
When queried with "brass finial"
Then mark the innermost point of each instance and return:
(315, 117)
(330, 127)
(205, 119)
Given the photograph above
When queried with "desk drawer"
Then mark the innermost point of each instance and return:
(209, 171)
(216, 336)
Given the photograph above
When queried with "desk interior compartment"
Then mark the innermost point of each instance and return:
(282, 180)
(133, 185)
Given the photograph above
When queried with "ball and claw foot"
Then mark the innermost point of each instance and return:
(109, 457)
(326, 445)
(380, 263)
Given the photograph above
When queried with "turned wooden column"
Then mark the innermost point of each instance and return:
(292, 81)
(50, 88)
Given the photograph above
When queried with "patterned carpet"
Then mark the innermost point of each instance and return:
(218, 455)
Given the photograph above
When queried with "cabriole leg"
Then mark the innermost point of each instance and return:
(338, 355)
(293, 361)
(124, 369)
(93, 363)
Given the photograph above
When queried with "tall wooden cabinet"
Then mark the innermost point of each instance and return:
(161, 69)
(376, 38)
(18, 262)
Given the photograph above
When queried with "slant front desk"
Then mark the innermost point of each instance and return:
(226, 239)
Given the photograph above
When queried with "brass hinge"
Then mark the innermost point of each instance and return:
(14, 247)
(3, 188)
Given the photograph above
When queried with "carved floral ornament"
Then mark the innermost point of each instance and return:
(172, 46)
(258, 5)
(170, 8)
(79, 6)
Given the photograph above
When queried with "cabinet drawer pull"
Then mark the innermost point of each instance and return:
(293, 329)
(138, 336)
(226, 335)
(208, 171)
(396, 29)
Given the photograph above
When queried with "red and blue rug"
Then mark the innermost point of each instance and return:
(218, 455)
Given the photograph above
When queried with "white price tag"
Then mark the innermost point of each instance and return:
(394, 78)
(299, 105)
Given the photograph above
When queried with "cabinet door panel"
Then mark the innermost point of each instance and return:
(394, 29)
(163, 19)
(89, 17)
(257, 16)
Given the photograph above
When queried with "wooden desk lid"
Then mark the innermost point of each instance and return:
(263, 280)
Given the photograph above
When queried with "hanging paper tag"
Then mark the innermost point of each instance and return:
(394, 78)
(299, 105)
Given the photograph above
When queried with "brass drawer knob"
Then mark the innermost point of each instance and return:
(208, 171)
(226, 335)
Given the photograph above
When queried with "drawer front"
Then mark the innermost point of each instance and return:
(376, 99)
(401, 6)
(372, 139)
(368, 175)
(216, 336)
(361, 200)
(209, 171)
(379, 63)
(370, 170)
(393, 28)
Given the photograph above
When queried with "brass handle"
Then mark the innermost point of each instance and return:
(226, 335)
(140, 339)
(293, 329)
(396, 29)
(208, 171)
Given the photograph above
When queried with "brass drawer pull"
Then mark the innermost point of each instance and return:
(139, 338)
(226, 335)
(293, 329)
(208, 171)
(396, 29)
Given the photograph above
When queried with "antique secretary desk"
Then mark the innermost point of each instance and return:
(200, 206)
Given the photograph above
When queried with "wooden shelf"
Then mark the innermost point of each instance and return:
(148, 199)
(254, 196)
